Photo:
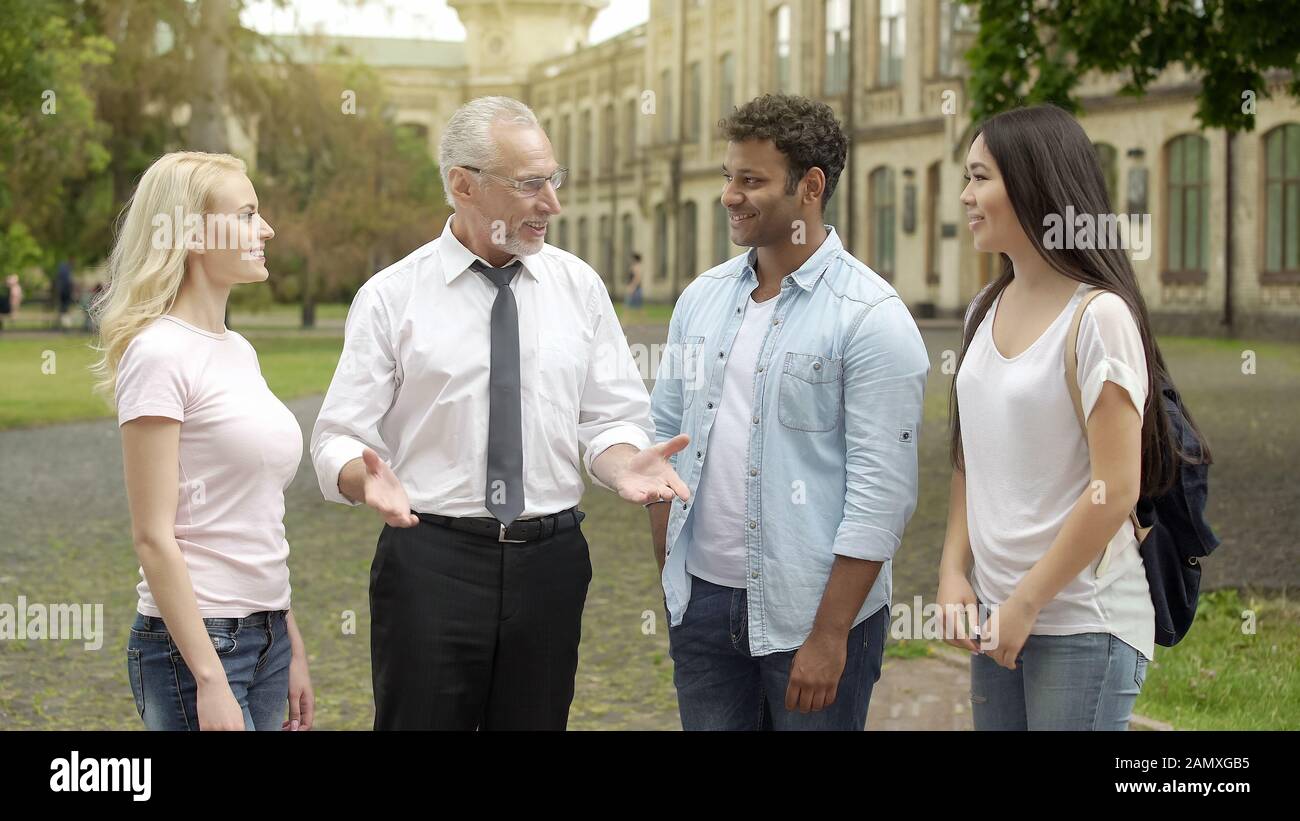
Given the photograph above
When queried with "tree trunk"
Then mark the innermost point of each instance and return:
(308, 295)
(211, 71)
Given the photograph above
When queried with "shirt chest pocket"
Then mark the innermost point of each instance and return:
(812, 393)
(691, 374)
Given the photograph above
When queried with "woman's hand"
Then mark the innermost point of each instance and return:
(1008, 628)
(302, 701)
(218, 709)
(958, 611)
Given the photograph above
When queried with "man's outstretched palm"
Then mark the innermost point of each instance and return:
(385, 493)
(650, 477)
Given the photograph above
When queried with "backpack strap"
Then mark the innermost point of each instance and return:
(1072, 358)
(1072, 384)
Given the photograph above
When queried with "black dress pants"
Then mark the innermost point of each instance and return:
(471, 633)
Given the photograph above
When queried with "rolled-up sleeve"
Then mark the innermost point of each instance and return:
(885, 367)
(359, 395)
(614, 407)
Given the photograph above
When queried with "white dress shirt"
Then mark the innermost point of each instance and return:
(412, 381)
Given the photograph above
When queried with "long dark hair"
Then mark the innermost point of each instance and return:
(1048, 163)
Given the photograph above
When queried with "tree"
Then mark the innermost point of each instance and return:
(347, 190)
(1031, 51)
(50, 141)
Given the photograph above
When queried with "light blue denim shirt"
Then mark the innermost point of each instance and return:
(832, 466)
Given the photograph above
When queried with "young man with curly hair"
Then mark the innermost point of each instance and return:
(799, 374)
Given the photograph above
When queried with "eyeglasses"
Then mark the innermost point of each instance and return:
(530, 187)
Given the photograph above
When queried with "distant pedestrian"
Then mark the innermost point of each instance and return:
(634, 297)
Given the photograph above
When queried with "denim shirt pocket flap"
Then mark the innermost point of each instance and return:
(811, 393)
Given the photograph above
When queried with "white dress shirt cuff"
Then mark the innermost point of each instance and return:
(333, 455)
(625, 433)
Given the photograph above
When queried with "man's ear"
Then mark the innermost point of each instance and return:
(814, 184)
(461, 182)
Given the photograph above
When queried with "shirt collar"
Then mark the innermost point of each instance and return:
(806, 275)
(456, 258)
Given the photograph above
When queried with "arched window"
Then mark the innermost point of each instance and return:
(881, 210)
(1187, 164)
(1108, 157)
(1282, 199)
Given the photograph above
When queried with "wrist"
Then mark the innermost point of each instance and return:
(209, 678)
(829, 631)
(1024, 602)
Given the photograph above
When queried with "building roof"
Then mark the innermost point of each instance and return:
(380, 52)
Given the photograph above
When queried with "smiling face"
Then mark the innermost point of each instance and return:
(235, 234)
(759, 209)
(989, 213)
(505, 218)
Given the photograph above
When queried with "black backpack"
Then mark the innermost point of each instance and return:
(1172, 532)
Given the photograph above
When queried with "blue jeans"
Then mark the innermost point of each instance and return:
(720, 686)
(254, 652)
(1087, 681)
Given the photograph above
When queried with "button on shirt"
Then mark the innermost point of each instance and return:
(412, 381)
(831, 465)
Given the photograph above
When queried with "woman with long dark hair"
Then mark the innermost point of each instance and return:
(1039, 540)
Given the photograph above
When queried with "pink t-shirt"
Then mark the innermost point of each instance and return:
(239, 449)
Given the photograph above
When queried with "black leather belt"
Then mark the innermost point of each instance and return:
(519, 531)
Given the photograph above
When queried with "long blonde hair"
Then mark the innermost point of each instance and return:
(144, 275)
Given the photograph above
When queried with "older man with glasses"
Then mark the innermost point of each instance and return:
(472, 371)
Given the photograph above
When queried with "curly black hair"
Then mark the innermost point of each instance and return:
(804, 130)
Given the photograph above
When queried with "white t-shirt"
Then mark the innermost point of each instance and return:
(1027, 465)
(718, 539)
(239, 449)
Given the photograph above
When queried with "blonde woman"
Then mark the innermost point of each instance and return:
(208, 451)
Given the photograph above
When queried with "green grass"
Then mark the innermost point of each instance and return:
(47, 380)
(1221, 678)
(650, 313)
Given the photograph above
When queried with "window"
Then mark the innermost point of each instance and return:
(562, 150)
(1282, 199)
(781, 49)
(608, 150)
(837, 47)
(629, 125)
(562, 235)
(629, 241)
(688, 245)
(1188, 164)
(726, 84)
(661, 243)
(955, 18)
(663, 106)
(693, 109)
(721, 233)
(583, 250)
(890, 25)
(583, 160)
(606, 241)
(1108, 157)
(880, 192)
(932, 232)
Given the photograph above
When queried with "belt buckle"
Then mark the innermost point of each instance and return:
(501, 537)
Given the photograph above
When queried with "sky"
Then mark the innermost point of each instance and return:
(426, 19)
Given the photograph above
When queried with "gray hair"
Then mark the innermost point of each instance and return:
(467, 140)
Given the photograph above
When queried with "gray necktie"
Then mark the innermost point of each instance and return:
(504, 492)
